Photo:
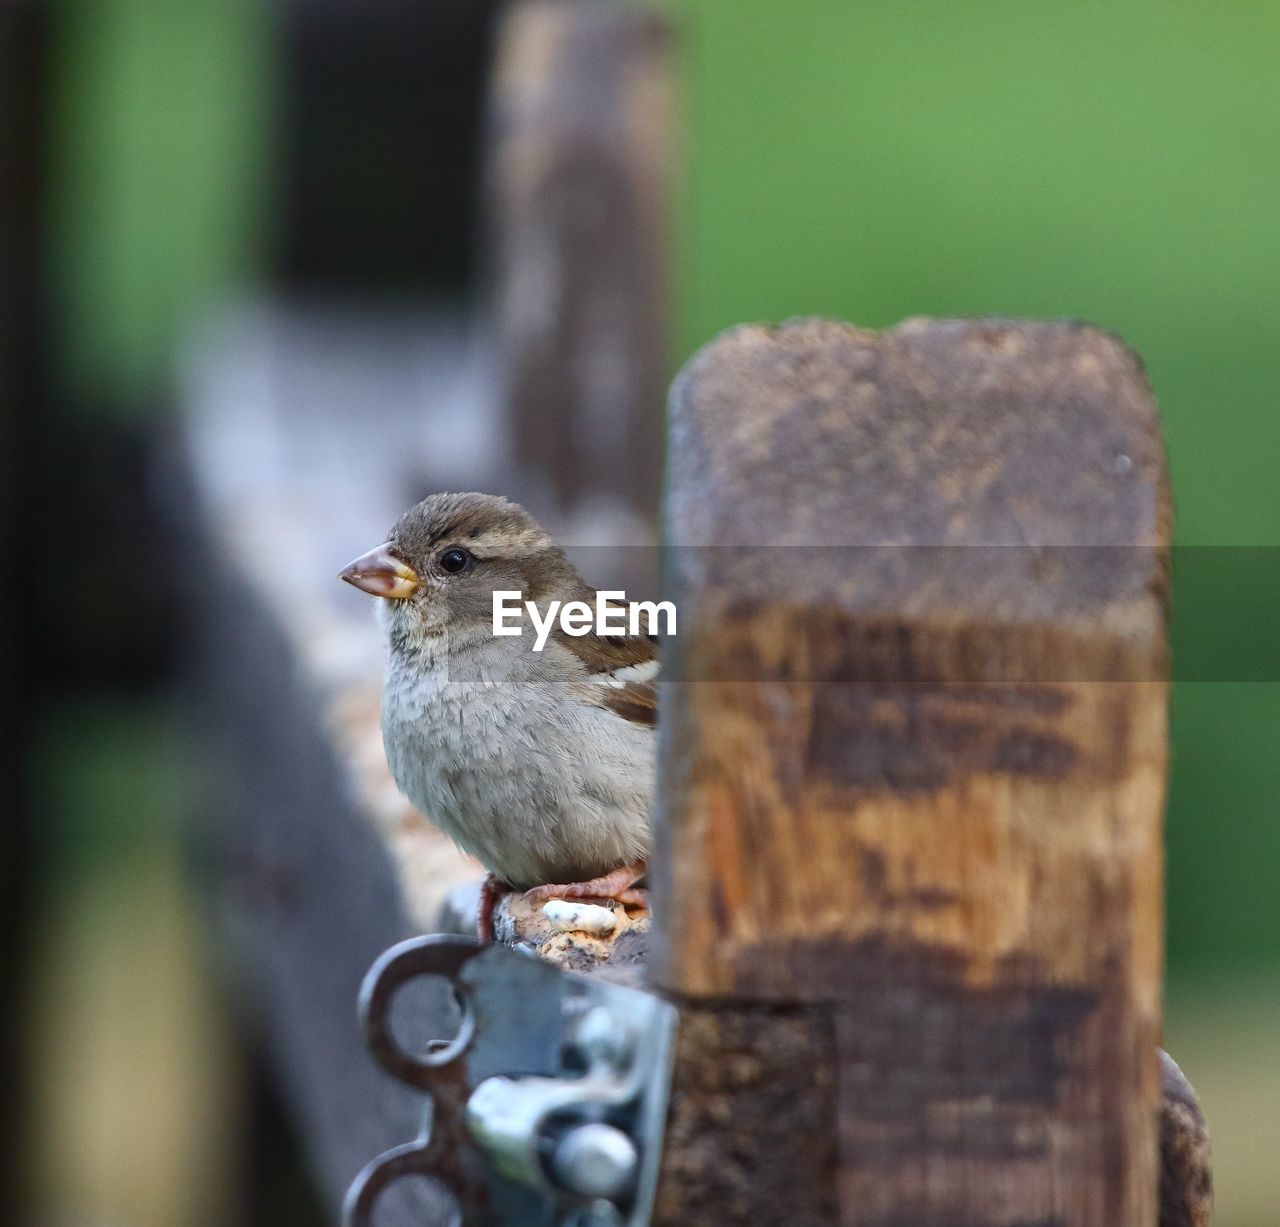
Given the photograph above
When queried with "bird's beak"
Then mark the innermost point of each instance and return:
(381, 573)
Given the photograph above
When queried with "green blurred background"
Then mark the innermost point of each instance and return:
(1118, 162)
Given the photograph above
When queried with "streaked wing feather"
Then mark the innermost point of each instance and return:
(625, 668)
(634, 701)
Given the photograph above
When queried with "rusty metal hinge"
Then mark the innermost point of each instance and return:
(546, 1109)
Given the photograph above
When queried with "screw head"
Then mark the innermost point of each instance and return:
(602, 1039)
(596, 1160)
(599, 1214)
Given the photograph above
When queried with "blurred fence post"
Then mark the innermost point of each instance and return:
(909, 880)
(579, 185)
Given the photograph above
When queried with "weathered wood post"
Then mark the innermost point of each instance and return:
(579, 192)
(909, 879)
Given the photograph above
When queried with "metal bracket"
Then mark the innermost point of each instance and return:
(547, 1108)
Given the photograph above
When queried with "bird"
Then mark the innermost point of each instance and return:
(540, 764)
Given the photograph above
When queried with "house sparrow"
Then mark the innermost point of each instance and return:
(539, 764)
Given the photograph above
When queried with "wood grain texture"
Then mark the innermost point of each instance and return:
(914, 749)
(749, 1133)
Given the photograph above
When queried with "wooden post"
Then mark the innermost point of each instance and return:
(579, 185)
(909, 877)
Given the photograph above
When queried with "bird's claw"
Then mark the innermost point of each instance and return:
(620, 884)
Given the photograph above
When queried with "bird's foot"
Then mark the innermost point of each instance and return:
(620, 884)
(490, 893)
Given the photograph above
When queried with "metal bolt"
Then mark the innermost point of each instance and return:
(602, 1039)
(596, 1160)
(599, 1214)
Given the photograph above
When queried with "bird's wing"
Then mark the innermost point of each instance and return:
(623, 670)
(632, 692)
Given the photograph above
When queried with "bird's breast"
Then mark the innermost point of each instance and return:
(538, 786)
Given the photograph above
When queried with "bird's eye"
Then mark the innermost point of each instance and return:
(455, 560)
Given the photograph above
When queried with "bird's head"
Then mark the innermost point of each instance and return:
(445, 557)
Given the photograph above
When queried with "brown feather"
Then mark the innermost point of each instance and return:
(607, 653)
(635, 700)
